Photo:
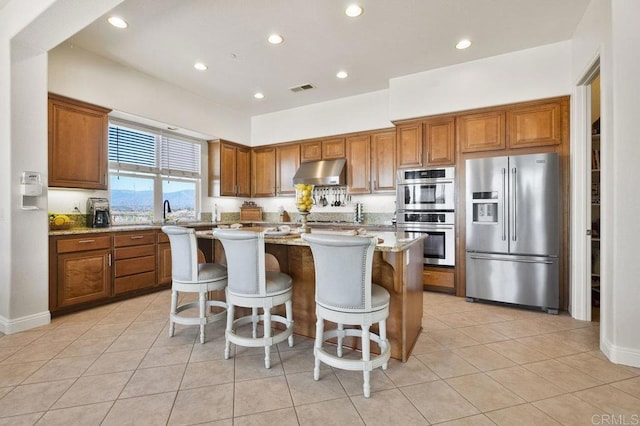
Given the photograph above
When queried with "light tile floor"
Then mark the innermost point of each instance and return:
(474, 364)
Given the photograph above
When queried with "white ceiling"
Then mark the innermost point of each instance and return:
(392, 38)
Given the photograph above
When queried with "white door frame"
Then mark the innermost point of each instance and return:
(580, 272)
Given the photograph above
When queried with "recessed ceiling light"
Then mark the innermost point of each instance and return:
(258, 95)
(463, 44)
(200, 66)
(275, 39)
(117, 22)
(353, 11)
(342, 74)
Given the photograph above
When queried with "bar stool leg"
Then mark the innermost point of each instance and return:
(174, 306)
(203, 314)
(289, 312)
(366, 356)
(227, 345)
(382, 325)
(254, 321)
(318, 346)
(267, 335)
(340, 338)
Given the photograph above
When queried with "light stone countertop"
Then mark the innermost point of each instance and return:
(147, 227)
(387, 241)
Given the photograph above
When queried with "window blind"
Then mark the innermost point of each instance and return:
(179, 157)
(145, 149)
(132, 149)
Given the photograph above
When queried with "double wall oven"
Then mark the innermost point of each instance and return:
(426, 203)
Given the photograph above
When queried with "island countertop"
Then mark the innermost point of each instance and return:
(387, 241)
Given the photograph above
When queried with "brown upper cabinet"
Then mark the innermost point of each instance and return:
(409, 144)
(263, 164)
(481, 131)
(358, 164)
(535, 125)
(333, 148)
(287, 163)
(439, 141)
(383, 161)
(311, 151)
(229, 169)
(77, 144)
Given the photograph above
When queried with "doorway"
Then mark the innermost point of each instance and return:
(594, 205)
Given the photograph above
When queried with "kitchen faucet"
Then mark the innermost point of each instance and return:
(166, 208)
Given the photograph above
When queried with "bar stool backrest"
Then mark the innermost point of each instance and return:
(184, 253)
(245, 255)
(343, 270)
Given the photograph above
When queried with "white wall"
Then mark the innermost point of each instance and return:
(346, 115)
(625, 193)
(82, 75)
(25, 37)
(536, 73)
(608, 30)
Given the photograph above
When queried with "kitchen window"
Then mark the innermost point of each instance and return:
(147, 166)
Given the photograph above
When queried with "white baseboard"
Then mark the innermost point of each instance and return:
(620, 355)
(10, 326)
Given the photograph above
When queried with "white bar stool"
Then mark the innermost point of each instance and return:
(252, 286)
(345, 295)
(189, 276)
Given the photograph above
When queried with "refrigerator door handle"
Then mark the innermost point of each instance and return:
(505, 259)
(513, 203)
(504, 204)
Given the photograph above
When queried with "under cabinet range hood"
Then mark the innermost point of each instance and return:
(322, 172)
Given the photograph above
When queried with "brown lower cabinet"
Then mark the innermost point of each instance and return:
(94, 269)
(440, 279)
(164, 259)
(134, 257)
(83, 273)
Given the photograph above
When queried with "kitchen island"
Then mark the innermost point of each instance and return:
(397, 266)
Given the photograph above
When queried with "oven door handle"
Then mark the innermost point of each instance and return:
(431, 228)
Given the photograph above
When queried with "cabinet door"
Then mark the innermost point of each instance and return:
(358, 164)
(77, 144)
(536, 125)
(333, 148)
(287, 163)
(263, 165)
(383, 162)
(481, 132)
(164, 263)
(228, 184)
(243, 172)
(311, 151)
(409, 144)
(83, 277)
(440, 141)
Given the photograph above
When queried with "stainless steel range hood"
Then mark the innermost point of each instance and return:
(322, 172)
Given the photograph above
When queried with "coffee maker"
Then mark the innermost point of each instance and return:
(98, 212)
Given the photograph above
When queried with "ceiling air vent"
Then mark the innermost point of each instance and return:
(302, 87)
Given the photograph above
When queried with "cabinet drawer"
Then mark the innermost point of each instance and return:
(134, 282)
(137, 239)
(438, 278)
(162, 238)
(134, 251)
(134, 266)
(69, 245)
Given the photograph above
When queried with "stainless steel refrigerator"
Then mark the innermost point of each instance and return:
(513, 229)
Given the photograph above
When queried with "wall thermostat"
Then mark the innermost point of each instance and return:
(31, 184)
